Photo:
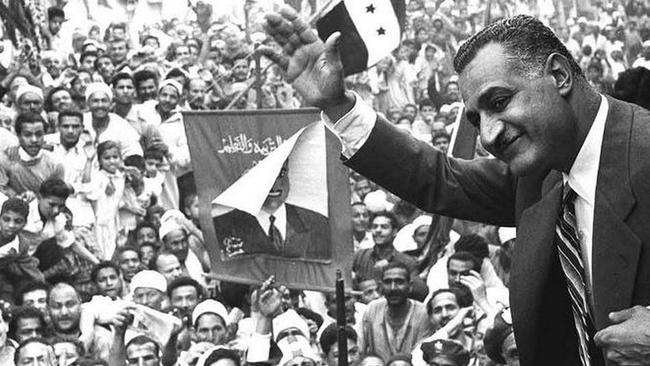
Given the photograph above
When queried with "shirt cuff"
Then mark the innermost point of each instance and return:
(353, 129)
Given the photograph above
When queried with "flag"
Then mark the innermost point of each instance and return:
(463, 139)
(370, 30)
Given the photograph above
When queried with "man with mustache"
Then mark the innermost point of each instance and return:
(64, 306)
(280, 228)
(394, 324)
(570, 173)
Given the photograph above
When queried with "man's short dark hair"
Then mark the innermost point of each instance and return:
(87, 54)
(125, 248)
(223, 353)
(145, 224)
(440, 134)
(48, 98)
(466, 257)
(101, 57)
(154, 154)
(15, 205)
(121, 76)
(26, 342)
(143, 75)
(525, 39)
(462, 299)
(28, 117)
(28, 287)
(397, 264)
(25, 312)
(55, 187)
(142, 340)
(101, 265)
(54, 11)
(329, 337)
(391, 216)
(474, 244)
(71, 113)
(185, 281)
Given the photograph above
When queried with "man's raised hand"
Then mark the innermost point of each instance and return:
(312, 66)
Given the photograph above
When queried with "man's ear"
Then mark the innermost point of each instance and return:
(557, 66)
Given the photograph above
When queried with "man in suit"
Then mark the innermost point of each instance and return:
(552, 133)
(280, 229)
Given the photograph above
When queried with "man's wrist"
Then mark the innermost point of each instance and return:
(340, 107)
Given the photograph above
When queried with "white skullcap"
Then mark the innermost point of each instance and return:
(377, 201)
(28, 88)
(423, 220)
(149, 279)
(98, 87)
(169, 226)
(507, 233)
(210, 306)
(289, 319)
(582, 20)
(646, 43)
(445, 109)
(173, 83)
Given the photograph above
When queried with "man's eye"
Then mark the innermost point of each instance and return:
(500, 103)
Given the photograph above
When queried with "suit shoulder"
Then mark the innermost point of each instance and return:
(234, 216)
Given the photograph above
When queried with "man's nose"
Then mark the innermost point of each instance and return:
(491, 129)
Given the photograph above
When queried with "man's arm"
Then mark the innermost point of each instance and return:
(480, 190)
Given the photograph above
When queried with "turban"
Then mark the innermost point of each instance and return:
(93, 88)
(149, 279)
(210, 307)
(169, 222)
(28, 88)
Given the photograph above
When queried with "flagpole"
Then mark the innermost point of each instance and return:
(340, 320)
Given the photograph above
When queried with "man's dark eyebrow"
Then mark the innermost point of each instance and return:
(484, 98)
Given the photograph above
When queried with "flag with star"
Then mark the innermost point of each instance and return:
(370, 30)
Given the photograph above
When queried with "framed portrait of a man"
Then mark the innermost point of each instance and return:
(273, 197)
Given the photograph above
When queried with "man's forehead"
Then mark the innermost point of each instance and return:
(489, 67)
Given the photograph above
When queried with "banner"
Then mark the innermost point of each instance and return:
(273, 196)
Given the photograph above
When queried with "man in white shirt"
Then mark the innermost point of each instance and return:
(103, 125)
(537, 114)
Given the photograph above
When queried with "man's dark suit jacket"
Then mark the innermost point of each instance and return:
(307, 234)
(485, 190)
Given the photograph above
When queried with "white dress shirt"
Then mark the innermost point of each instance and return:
(582, 179)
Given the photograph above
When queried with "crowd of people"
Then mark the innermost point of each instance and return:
(102, 259)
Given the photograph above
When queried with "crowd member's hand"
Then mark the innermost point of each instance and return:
(312, 66)
(196, 350)
(267, 300)
(27, 196)
(627, 341)
(122, 320)
(12, 153)
(457, 322)
(476, 285)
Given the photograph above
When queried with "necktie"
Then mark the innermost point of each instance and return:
(274, 234)
(569, 252)
(110, 187)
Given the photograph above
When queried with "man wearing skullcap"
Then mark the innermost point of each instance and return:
(149, 289)
(175, 238)
(210, 319)
(29, 99)
(104, 126)
(442, 352)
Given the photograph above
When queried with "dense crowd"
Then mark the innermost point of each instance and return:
(102, 259)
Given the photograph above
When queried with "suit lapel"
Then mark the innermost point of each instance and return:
(615, 247)
(533, 261)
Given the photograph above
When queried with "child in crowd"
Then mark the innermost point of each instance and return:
(105, 190)
(16, 265)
